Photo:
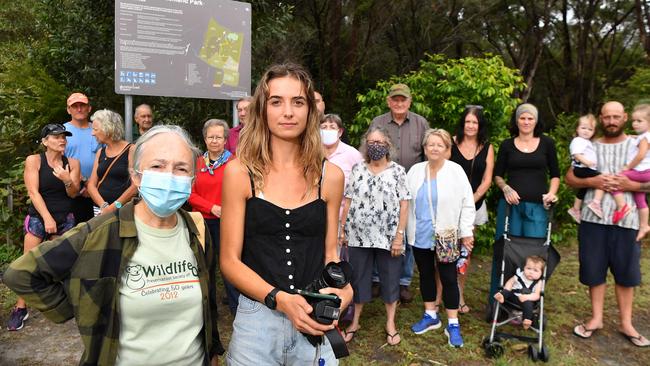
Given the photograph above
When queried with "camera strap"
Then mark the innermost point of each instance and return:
(338, 343)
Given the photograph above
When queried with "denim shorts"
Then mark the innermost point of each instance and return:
(36, 227)
(261, 336)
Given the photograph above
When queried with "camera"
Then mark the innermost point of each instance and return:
(327, 306)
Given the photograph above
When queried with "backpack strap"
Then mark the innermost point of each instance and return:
(199, 222)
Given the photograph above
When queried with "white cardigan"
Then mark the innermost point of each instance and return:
(455, 208)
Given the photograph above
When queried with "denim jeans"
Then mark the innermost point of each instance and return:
(261, 336)
(407, 267)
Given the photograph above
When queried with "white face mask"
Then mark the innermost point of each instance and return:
(329, 137)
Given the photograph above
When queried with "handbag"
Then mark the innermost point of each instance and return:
(445, 241)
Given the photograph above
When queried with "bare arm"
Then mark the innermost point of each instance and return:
(129, 192)
(236, 190)
(511, 196)
(32, 166)
(643, 150)
(332, 194)
(70, 176)
(486, 181)
(397, 246)
(91, 184)
(583, 160)
(344, 217)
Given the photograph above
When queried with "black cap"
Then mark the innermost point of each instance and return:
(54, 129)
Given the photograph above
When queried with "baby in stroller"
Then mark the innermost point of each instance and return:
(523, 289)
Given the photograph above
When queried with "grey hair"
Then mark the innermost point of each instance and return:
(111, 123)
(213, 123)
(244, 99)
(138, 108)
(160, 129)
(363, 149)
(332, 117)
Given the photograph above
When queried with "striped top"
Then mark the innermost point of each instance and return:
(611, 158)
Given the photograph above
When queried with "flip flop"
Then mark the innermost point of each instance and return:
(351, 332)
(463, 309)
(391, 337)
(583, 332)
(639, 341)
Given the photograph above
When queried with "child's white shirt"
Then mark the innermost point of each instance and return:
(581, 145)
(645, 163)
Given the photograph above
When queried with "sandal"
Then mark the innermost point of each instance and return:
(583, 332)
(639, 341)
(463, 309)
(351, 333)
(390, 338)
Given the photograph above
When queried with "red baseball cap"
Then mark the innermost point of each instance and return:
(77, 98)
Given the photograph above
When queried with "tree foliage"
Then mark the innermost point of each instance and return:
(441, 89)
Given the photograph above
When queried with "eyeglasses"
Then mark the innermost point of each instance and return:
(474, 106)
(215, 138)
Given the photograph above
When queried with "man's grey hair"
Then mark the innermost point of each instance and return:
(141, 144)
(111, 123)
(140, 107)
(246, 99)
(215, 122)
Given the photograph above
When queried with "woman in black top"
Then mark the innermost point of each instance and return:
(52, 180)
(280, 207)
(472, 151)
(527, 173)
(110, 184)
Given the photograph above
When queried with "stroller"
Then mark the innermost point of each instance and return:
(515, 250)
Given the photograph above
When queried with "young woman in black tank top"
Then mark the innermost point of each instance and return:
(280, 205)
(52, 180)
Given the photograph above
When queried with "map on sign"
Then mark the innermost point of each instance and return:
(222, 50)
(183, 48)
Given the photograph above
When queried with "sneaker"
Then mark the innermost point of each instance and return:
(596, 209)
(426, 324)
(17, 319)
(453, 335)
(575, 214)
(405, 295)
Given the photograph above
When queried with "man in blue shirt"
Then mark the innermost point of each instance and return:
(82, 146)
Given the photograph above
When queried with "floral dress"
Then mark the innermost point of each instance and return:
(375, 204)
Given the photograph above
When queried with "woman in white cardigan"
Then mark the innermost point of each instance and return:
(443, 203)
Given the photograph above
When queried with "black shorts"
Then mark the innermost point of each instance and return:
(582, 172)
(603, 247)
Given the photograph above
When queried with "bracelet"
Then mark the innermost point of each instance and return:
(104, 205)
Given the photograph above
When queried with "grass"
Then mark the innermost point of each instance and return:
(566, 305)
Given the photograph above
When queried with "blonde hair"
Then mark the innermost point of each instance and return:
(587, 118)
(442, 134)
(643, 108)
(254, 147)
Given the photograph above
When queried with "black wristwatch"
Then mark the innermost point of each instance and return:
(269, 300)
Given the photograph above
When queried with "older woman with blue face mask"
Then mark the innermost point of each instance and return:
(139, 281)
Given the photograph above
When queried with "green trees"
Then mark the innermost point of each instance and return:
(441, 88)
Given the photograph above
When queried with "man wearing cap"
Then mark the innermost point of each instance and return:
(242, 114)
(143, 118)
(406, 130)
(82, 146)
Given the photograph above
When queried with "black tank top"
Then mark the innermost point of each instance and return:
(474, 173)
(118, 179)
(285, 247)
(52, 189)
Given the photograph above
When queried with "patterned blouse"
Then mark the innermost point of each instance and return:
(374, 211)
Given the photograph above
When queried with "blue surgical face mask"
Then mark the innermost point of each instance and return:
(164, 193)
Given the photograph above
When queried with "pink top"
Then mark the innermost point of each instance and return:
(345, 157)
(233, 138)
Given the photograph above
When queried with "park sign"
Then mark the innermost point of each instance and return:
(183, 48)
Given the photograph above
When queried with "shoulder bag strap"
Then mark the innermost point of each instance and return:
(112, 162)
